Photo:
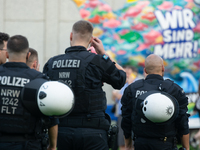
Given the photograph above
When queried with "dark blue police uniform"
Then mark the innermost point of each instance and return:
(19, 130)
(86, 127)
(150, 136)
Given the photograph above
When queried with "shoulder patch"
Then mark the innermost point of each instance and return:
(105, 57)
(183, 91)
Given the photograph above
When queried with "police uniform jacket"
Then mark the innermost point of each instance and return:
(132, 121)
(85, 73)
(14, 118)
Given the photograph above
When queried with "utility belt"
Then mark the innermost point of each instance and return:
(97, 123)
(164, 139)
(16, 137)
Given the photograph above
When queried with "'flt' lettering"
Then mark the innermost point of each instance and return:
(8, 110)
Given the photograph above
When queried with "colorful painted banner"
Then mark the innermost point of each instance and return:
(169, 28)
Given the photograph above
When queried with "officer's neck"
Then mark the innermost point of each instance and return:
(80, 44)
(17, 60)
(18, 57)
(157, 73)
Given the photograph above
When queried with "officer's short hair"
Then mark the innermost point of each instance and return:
(17, 44)
(3, 37)
(83, 27)
(34, 54)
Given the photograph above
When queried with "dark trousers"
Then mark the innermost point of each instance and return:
(153, 144)
(26, 145)
(82, 139)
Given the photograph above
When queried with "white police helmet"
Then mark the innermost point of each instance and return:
(49, 98)
(157, 107)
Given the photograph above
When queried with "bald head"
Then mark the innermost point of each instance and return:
(154, 65)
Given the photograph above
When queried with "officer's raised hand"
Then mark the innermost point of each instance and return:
(98, 45)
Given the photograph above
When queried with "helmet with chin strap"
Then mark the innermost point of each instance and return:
(157, 107)
(49, 98)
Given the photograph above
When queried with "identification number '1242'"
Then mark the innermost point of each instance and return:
(11, 101)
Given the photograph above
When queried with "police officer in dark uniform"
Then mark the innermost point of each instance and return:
(32, 61)
(20, 130)
(149, 135)
(87, 125)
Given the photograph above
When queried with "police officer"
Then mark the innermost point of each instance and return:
(149, 135)
(20, 130)
(32, 61)
(86, 127)
(3, 47)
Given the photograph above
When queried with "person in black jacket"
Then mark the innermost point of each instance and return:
(148, 135)
(85, 128)
(19, 129)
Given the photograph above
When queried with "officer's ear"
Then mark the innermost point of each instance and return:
(28, 55)
(91, 40)
(163, 68)
(71, 35)
(145, 71)
(7, 55)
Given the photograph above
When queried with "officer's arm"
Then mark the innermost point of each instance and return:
(126, 119)
(97, 44)
(116, 64)
(128, 143)
(53, 133)
(182, 120)
(185, 141)
(126, 123)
